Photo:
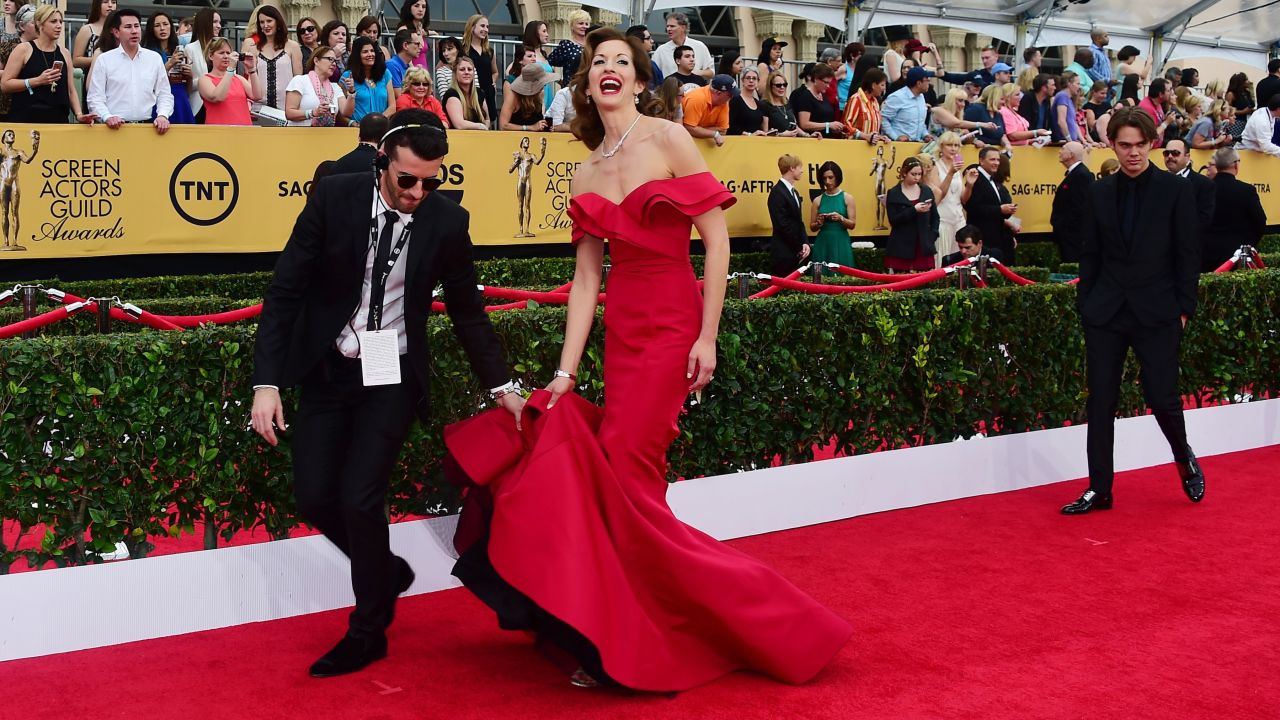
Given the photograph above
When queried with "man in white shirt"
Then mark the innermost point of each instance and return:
(562, 112)
(678, 31)
(126, 83)
(1260, 131)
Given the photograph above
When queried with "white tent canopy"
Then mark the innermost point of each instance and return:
(1237, 30)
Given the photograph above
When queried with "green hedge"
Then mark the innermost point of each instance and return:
(1039, 254)
(147, 432)
(1269, 244)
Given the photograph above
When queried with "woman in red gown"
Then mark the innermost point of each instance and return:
(576, 542)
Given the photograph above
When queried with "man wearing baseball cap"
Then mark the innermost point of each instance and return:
(905, 114)
(706, 109)
(1002, 72)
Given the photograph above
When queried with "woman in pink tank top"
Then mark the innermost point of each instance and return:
(227, 95)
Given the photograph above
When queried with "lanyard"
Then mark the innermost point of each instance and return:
(379, 276)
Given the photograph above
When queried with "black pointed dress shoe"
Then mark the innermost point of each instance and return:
(1088, 502)
(349, 655)
(404, 580)
(1192, 477)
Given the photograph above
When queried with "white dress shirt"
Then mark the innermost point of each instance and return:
(128, 87)
(666, 59)
(393, 298)
(1258, 132)
(994, 185)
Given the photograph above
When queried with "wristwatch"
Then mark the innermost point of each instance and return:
(512, 386)
(566, 374)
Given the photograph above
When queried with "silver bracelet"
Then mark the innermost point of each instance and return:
(565, 374)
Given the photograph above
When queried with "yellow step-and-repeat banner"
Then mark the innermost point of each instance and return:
(75, 191)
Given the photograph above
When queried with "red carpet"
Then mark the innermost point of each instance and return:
(990, 607)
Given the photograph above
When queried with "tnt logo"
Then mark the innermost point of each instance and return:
(204, 189)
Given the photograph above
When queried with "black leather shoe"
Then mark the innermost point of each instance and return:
(1088, 502)
(349, 655)
(1192, 477)
(404, 580)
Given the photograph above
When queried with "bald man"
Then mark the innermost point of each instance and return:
(1070, 201)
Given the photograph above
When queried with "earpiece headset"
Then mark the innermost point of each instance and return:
(381, 162)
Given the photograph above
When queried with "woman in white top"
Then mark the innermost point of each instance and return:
(313, 100)
(946, 179)
(208, 25)
(279, 59)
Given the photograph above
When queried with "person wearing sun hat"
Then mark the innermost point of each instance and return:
(522, 107)
(706, 109)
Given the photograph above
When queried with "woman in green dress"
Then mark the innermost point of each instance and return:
(833, 216)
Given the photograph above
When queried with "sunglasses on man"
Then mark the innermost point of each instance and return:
(406, 181)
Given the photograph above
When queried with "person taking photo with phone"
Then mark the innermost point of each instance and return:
(913, 221)
(38, 76)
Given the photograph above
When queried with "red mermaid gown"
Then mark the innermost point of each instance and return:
(578, 542)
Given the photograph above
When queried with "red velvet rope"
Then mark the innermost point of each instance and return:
(914, 282)
(773, 289)
(33, 323)
(1013, 276)
(1257, 260)
(230, 316)
(1226, 266)
(867, 274)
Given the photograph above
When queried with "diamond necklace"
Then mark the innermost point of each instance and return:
(616, 148)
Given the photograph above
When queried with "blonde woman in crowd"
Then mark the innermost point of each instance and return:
(417, 93)
(946, 180)
(1203, 133)
(567, 54)
(1110, 166)
(227, 95)
(312, 99)
(1017, 131)
(475, 45)
(949, 115)
(462, 101)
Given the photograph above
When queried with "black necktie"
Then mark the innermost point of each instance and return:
(380, 260)
(796, 193)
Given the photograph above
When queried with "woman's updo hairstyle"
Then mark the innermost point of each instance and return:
(587, 126)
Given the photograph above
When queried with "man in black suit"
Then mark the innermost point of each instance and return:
(1139, 270)
(789, 245)
(1070, 200)
(345, 317)
(372, 127)
(990, 205)
(1177, 160)
(1238, 217)
(969, 239)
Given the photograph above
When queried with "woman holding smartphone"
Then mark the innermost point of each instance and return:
(913, 220)
(832, 217)
(38, 76)
(159, 35)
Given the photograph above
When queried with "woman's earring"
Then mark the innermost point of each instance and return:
(637, 97)
(588, 98)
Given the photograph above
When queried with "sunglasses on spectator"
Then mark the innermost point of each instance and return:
(420, 84)
(1172, 153)
(307, 29)
(781, 84)
(407, 181)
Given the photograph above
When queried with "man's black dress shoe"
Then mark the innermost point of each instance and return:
(404, 579)
(349, 655)
(1088, 502)
(1192, 477)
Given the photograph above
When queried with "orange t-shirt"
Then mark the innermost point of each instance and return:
(699, 112)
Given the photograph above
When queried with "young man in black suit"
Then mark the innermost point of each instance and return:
(1239, 218)
(1139, 271)
(1070, 200)
(345, 317)
(789, 245)
(990, 205)
(969, 239)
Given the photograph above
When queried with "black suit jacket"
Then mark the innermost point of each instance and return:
(319, 278)
(983, 210)
(789, 234)
(1238, 219)
(1068, 208)
(359, 160)
(956, 257)
(1157, 273)
(1206, 199)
